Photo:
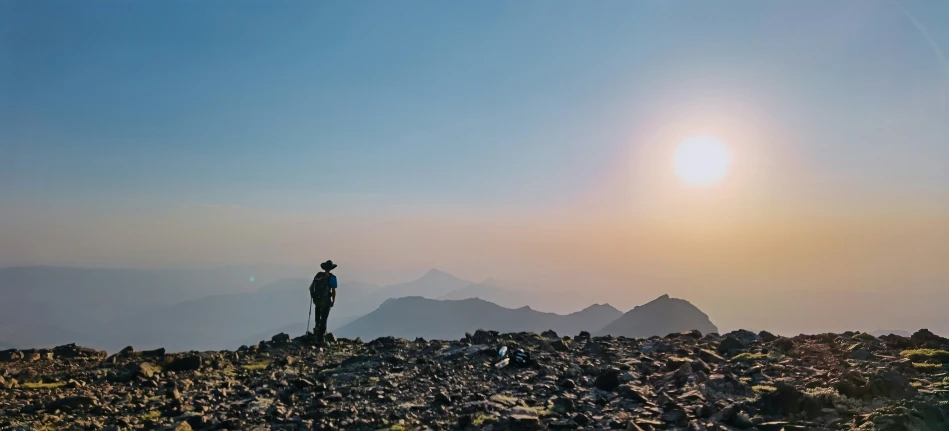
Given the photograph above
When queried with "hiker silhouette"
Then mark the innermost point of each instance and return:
(323, 295)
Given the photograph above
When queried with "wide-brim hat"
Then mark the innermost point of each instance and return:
(328, 265)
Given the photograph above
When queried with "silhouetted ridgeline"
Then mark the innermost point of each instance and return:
(434, 319)
(662, 316)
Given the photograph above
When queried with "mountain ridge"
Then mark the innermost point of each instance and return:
(661, 316)
(447, 319)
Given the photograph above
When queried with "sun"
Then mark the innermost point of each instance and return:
(701, 161)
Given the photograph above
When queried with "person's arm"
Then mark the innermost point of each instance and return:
(333, 287)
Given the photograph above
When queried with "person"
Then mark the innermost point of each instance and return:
(323, 294)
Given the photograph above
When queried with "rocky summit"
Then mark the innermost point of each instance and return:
(683, 381)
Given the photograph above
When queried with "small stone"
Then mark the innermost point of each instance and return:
(157, 353)
(860, 354)
(442, 399)
(564, 424)
(560, 346)
(186, 363)
(607, 380)
(72, 402)
(564, 404)
(729, 344)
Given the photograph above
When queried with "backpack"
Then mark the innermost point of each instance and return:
(320, 288)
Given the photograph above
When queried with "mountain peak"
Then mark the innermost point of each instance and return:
(437, 274)
(599, 308)
(661, 316)
(433, 284)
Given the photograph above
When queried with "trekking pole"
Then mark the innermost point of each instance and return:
(308, 314)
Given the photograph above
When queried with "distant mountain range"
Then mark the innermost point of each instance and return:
(223, 309)
(412, 317)
(42, 306)
(451, 319)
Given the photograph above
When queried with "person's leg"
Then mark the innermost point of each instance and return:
(317, 311)
(324, 318)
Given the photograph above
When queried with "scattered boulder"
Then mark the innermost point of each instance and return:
(784, 345)
(858, 353)
(891, 384)
(730, 344)
(608, 380)
(786, 400)
(156, 353)
(560, 346)
(925, 338)
(72, 402)
(72, 351)
(482, 337)
(180, 426)
(280, 338)
(745, 336)
(917, 416)
(137, 370)
(895, 341)
(185, 363)
(10, 355)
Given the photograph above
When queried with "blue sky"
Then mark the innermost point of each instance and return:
(354, 107)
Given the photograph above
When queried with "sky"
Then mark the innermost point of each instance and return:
(525, 140)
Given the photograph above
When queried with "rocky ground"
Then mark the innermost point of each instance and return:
(688, 381)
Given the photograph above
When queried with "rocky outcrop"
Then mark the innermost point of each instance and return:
(72, 351)
(685, 380)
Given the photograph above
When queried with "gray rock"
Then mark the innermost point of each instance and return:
(10, 355)
(72, 402)
(186, 363)
(608, 380)
(730, 344)
(280, 338)
(157, 353)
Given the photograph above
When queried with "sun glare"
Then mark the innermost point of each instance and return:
(701, 161)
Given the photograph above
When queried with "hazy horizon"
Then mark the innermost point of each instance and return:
(531, 142)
